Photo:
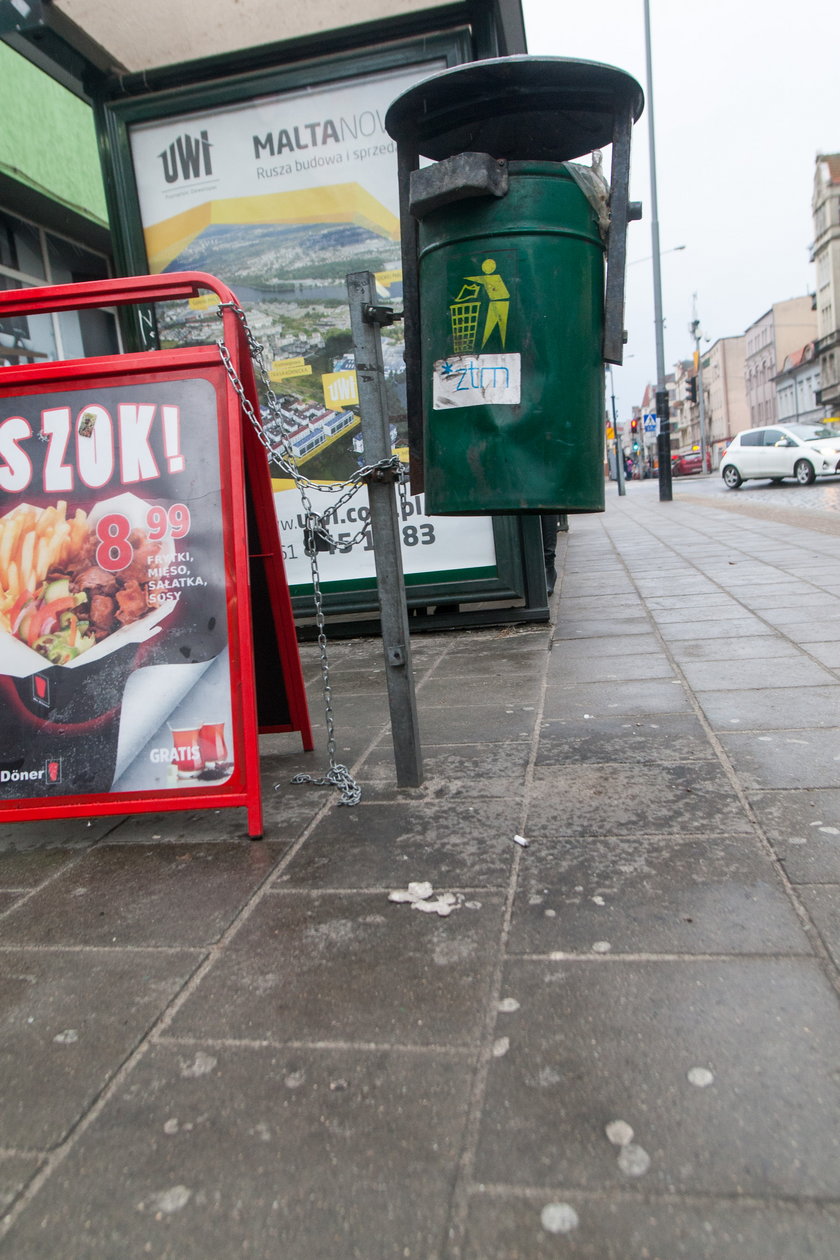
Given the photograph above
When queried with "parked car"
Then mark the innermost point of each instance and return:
(691, 462)
(803, 451)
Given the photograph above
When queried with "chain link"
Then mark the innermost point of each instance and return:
(281, 452)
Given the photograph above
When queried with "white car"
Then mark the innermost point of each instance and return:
(803, 451)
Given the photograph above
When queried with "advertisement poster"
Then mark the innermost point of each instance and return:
(280, 197)
(114, 665)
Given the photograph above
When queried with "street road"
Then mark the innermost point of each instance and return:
(815, 507)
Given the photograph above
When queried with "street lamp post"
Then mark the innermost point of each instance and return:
(663, 442)
(619, 453)
(701, 397)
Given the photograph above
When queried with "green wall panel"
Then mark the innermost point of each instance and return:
(48, 139)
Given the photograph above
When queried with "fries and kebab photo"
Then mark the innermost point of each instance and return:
(54, 597)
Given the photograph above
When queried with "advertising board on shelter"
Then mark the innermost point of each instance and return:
(281, 196)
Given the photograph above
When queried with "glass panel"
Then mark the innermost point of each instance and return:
(20, 246)
(83, 333)
(25, 338)
(86, 333)
(71, 263)
(772, 436)
(753, 438)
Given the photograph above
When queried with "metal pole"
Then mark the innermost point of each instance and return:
(619, 454)
(701, 397)
(365, 320)
(663, 441)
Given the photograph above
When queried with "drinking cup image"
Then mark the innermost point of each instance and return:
(211, 741)
(187, 750)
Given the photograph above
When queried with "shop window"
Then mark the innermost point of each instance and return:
(31, 257)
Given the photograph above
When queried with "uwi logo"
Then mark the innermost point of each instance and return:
(187, 157)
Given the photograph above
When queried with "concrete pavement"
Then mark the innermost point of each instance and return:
(623, 1041)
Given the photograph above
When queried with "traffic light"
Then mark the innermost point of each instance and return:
(691, 389)
(634, 425)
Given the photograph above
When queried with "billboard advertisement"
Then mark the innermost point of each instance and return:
(280, 196)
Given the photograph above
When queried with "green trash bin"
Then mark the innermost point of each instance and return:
(511, 318)
(513, 273)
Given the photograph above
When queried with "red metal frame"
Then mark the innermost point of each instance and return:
(243, 470)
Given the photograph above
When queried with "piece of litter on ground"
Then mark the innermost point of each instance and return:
(508, 1005)
(500, 1047)
(67, 1037)
(418, 895)
(701, 1077)
(171, 1201)
(601, 947)
(521, 840)
(559, 1218)
(830, 831)
(599, 900)
(633, 1160)
(438, 906)
(202, 1065)
(619, 1133)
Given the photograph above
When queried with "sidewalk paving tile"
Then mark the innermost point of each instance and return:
(659, 740)
(774, 708)
(761, 647)
(454, 843)
(160, 895)
(351, 967)
(603, 1040)
(602, 698)
(592, 799)
(655, 894)
(803, 825)
(488, 688)
(711, 628)
(798, 758)
(458, 769)
(29, 868)
(606, 668)
(260, 1152)
(574, 649)
(508, 1227)
(68, 1020)
(723, 675)
(16, 1171)
(822, 901)
(55, 833)
(568, 627)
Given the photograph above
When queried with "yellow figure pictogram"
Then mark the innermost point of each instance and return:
(465, 310)
(498, 299)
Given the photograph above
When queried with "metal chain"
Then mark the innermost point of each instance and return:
(338, 775)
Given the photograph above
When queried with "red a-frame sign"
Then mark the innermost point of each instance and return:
(140, 567)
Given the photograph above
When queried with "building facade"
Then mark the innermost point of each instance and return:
(826, 256)
(798, 387)
(53, 219)
(727, 412)
(786, 327)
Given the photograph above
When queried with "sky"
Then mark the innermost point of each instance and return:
(745, 94)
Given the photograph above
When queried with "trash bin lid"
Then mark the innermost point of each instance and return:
(550, 109)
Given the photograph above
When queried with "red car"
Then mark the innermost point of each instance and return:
(685, 465)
